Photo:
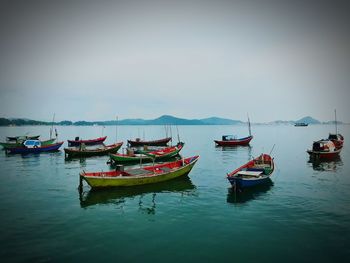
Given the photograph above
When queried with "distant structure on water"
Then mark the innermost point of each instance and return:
(301, 124)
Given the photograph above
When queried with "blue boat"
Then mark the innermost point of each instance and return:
(256, 172)
(34, 146)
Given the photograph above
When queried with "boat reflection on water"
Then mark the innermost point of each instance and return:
(326, 165)
(247, 194)
(119, 196)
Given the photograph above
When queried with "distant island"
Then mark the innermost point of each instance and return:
(162, 120)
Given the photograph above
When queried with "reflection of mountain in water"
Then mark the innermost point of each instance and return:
(181, 185)
(326, 165)
(247, 194)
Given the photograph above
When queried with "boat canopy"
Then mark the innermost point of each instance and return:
(229, 137)
(32, 143)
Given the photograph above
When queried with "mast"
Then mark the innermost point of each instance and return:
(51, 130)
(250, 132)
(116, 128)
(336, 127)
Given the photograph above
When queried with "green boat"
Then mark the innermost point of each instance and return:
(146, 157)
(19, 143)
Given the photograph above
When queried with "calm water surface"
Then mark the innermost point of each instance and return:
(304, 216)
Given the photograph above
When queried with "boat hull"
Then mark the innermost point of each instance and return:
(161, 142)
(72, 153)
(142, 158)
(87, 142)
(324, 155)
(13, 145)
(244, 183)
(238, 142)
(47, 148)
(122, 181)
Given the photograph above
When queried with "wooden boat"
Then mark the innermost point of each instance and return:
(324, 149)
(77, 142)
(139, 176)
(20, 143)
(146, 157)
(139, 142)
(301, 124)
(230, 140)
(84, 152)
(254, 172)
(22, 138)
(34, 146)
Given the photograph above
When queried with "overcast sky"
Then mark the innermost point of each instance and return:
(93, 60)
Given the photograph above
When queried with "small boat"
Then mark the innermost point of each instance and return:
(82, 151)
(230, 140)
(300, 124)
(20, 143)
(22, 138)
(139, 142)
(34, 146)
(139, 176)
(77, 141)
(146, 157)
(324, 149)
(255, 172)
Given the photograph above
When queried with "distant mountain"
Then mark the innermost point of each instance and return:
(162, 120)
(309, 120)
(219, 121)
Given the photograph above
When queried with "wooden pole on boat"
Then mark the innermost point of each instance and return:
(250, 132)
(272, 149)
(51, 130)
(116, 128)
(178, 136)
(336, 127)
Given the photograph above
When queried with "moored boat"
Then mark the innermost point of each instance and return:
(140, 176)
(82, 151)
(300, 124)
(139, 142)
(230, 140)
(145, 157)
(77, 141)
(34, 146)
(324, 149)
(19, 143)
(255, 172)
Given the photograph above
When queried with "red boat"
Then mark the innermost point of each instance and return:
(324, 149)
(78, 142)
(139, 142)
(228, 140)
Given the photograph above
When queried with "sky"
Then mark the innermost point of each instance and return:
(94, 60)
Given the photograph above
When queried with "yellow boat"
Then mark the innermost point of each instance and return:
(139, 176)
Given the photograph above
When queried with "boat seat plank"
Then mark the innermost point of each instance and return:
(138, 172)
(251, 173)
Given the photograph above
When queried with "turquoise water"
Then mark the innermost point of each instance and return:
(304, 216)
